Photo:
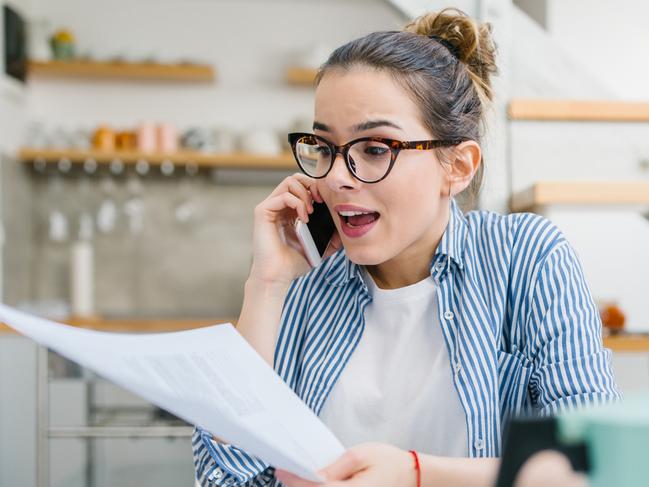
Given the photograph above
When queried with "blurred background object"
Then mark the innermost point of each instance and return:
(612, 318)
(63, 45)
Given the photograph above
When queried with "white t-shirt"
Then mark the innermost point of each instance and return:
(397, 387)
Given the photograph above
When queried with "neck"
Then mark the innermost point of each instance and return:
(413, 264)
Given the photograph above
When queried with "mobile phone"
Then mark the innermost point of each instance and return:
(315, 235)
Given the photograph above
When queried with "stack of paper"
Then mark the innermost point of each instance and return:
(209, 377)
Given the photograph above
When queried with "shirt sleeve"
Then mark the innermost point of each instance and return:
(218, 464)
(571, 368)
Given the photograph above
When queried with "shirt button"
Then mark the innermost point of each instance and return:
(479, 444)
(439, 266)
(457, 367)
(218, 475)
(449, 315)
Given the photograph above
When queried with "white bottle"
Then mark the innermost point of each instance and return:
(82, 274)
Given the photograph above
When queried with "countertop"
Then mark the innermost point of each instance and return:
(135, 325)
(624, 342)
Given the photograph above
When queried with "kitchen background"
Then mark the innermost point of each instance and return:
(99, 192)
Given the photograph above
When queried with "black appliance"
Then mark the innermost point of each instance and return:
(15, 44)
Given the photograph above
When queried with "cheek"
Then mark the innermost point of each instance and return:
(413, 206)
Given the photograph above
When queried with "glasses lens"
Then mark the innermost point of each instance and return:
(313, 155)
(370, 160)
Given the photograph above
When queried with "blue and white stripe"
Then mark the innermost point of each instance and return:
(521, 329)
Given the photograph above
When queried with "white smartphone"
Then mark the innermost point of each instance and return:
(315, 235)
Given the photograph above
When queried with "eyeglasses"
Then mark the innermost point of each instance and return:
(369, 159)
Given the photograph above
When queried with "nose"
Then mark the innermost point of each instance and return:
(339, 177)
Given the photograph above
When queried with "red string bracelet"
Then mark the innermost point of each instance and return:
(417, 466)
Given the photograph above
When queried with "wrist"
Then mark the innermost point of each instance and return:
(268, 286)
(413, 470)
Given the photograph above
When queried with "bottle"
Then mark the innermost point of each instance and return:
(82, 280)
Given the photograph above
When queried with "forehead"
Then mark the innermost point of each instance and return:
(345, 98)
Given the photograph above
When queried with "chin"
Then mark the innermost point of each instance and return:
(365, 256)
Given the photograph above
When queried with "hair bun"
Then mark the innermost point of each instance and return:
(471, 42)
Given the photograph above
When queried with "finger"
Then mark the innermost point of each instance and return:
(284, 185)
(315, 192)
(291, 480)
(345, 467)
(298, 189)
(286, 200)
(311, 184)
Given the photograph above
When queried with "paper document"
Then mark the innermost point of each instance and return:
(209, 377)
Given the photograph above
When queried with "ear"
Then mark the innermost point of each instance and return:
(465, 160)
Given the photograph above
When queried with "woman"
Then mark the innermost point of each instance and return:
(425, 328)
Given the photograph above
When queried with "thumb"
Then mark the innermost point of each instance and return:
(345, 467)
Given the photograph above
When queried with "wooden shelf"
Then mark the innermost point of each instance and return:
(239, 160)
(581, 193)
(121, 70)
(134, 325)
(578, 110)
(301, 76)
(628, 342)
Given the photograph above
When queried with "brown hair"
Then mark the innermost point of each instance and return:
(445, 61)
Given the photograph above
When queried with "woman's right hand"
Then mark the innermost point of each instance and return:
(277, 254)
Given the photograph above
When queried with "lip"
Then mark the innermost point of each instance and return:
(357, 231)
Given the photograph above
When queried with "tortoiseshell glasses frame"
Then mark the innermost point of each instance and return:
(395, 147)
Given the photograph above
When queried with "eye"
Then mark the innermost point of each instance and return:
(324, 150)
(376, 150)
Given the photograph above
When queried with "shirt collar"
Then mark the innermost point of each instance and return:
(340, 270)
(452, 244)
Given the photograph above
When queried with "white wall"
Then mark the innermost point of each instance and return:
(249, 42)
(608, 42)
(610, 37)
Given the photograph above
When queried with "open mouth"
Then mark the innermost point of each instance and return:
(356, 219)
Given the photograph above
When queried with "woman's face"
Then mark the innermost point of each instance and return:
(409, 207)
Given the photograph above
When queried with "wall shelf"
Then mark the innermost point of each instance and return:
(578, 110)
(301, 76)
(627, 342)
(121, 70)
(238, 160)
(580, 193)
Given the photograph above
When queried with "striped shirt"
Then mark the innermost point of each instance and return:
(519, 323)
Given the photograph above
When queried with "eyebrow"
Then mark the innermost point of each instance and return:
(370, 124)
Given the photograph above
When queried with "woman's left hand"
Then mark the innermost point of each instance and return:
(366, 465)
